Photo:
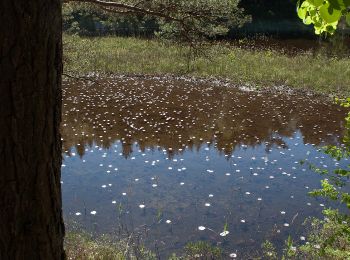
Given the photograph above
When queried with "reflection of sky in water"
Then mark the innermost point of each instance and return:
(166, 187)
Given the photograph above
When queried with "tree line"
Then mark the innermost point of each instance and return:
(274, 17)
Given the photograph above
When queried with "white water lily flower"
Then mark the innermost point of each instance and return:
(233, 255)
(224, 233)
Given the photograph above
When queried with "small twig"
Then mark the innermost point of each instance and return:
(295, 216)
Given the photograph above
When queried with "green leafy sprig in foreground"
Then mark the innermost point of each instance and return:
(325, 15)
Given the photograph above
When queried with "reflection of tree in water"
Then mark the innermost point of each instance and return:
(175, 114)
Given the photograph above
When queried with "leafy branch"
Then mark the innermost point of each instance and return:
(324, 14)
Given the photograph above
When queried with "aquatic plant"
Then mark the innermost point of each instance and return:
(202, 250)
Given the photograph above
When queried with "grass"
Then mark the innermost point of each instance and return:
(327, 239)
(82, 246)
(259, 68)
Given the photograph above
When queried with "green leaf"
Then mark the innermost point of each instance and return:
(336, 4)
(329, 14)
(316, 3)
(302, 13)
(307, 20)
(347, 18)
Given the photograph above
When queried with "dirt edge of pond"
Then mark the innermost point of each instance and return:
(217, 81)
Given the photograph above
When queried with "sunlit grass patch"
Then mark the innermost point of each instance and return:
(82, 246)
(260, 68)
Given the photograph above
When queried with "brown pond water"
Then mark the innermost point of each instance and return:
(174, 160)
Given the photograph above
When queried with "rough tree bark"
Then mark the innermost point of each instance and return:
(31, 225)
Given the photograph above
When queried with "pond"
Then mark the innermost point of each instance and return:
(175, 160)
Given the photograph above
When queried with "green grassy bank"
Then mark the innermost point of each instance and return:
(82, 246)
(261, 68)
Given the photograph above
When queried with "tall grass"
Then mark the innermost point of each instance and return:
(82, 246)
(260, 68)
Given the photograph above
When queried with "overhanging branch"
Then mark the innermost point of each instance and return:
(127, 9)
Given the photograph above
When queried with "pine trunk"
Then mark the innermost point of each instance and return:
(31, 225)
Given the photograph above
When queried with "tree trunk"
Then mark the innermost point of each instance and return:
(31, 225)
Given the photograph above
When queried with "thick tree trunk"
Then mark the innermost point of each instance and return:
(31, 225)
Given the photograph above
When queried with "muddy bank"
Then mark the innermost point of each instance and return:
(99, 78)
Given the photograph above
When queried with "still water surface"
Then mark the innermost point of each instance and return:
(175, 160)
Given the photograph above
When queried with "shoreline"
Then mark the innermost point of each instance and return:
(218, 81)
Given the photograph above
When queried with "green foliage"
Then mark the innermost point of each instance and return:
(202, 250)
(290, 251)
(257, 68)
(328, 238)
(324, 14)
(269, 251)
(328, 191)
(88, 19)
(225, 226)
(82, 246)
(180, 20)
(198, 20)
